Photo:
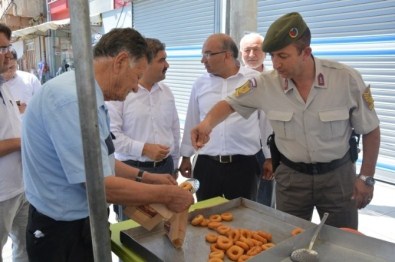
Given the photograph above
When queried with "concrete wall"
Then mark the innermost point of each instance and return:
(242, 18)
(22, 13)
(100, 6)
(31, 8)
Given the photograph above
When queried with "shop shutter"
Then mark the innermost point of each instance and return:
(360, 34)
(183, 26)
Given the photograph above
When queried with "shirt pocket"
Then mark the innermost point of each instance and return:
(334, 123)
(282, 123)
(165, 114)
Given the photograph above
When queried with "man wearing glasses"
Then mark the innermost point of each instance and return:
(22, 85)
(13, 204)
(226, 166)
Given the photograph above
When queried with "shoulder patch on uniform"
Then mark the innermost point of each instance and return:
(367, 97)
(246, 87)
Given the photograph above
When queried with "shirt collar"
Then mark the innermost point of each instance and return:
(319, 80)
(154, 87)
(99, 96)
(286, 83)
(242, 71)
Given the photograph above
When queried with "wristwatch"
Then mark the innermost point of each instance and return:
(139, 176)
(369, 181)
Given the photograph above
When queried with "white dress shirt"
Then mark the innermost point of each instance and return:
(23, 86)
(235, 135)
(145, 117)
(11, 180)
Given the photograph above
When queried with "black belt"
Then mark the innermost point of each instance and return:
(317, 168)
(146, 164)
(226, 159)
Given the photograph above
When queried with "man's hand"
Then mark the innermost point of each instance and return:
(217, 114)
(151, 178)
(156, 152)
(267, 169)
(22, 107)
(186, 167)
(10, 145)
(179, 200)
(363, 194)
(200, 135)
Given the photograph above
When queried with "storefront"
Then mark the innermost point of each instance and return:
(47, 49)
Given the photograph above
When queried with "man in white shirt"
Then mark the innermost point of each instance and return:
(146, 124)
(314, 106)
(253, 57)
(13, 204)
(226, 165)
(22, 85)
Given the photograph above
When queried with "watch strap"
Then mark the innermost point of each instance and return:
(139, 176)
(368, 180)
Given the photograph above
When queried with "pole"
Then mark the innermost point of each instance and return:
(82, 50)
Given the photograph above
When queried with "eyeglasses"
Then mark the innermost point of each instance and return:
(208, 54)
(5, 49)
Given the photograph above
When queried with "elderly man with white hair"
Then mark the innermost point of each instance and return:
(253, 57)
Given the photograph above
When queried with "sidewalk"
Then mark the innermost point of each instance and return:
(378, 219)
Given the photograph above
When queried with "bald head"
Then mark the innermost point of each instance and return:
(225, 42)
(219, 55)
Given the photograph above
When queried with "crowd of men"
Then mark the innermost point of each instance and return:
(314, 106)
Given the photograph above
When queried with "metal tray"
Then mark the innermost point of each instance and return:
(333, 244)
(155, 246)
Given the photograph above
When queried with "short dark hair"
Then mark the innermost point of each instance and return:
(122, 39)
(5, 30)
(229, 45)
(14, 54)
(154, 45)
(304, 41)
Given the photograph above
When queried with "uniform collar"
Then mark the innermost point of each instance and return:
(287, 84)
(319, 80)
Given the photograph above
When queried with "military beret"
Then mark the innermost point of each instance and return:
(284, 31)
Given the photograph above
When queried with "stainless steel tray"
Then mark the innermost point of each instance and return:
(155, 246)
(333, 244)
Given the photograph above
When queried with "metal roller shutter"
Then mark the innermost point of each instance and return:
(360, 34)
(183, 26)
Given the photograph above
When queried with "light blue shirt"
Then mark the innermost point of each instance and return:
(52, 153)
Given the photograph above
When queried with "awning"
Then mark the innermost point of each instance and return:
(41, 29)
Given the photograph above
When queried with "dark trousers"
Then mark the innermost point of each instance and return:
(265, 187)
(232, 180)
(298, 193)
(61, 241)
(167, 168)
